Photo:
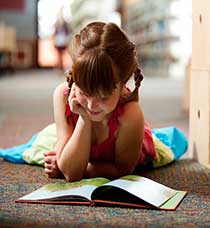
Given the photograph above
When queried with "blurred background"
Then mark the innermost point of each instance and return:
(31, 65)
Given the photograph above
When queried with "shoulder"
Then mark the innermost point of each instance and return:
(61, 91)
(132, 114)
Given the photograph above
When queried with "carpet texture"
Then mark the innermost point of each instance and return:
(194, 211)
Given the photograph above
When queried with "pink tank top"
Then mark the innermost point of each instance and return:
(105, 151)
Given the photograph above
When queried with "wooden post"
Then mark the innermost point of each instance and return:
(199, 132)
(186, 99)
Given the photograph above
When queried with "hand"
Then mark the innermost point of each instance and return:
(74, 104)
(50, 164)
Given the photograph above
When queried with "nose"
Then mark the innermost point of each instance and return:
(92, 104)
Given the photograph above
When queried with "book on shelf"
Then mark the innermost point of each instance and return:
(128, 191)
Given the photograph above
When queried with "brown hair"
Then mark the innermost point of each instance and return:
(103, 56)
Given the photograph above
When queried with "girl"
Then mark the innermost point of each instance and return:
(99, 123)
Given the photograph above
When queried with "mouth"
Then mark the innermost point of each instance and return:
(94, 113)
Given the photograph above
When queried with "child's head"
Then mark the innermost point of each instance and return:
(103, 57)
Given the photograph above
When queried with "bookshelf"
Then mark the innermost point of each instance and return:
(86, 11)
(148, 24)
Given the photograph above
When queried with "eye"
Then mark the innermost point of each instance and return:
(82, 93)
(105, 98)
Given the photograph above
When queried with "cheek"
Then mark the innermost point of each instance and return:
(114, 103)
(80, 99)
(111, 104)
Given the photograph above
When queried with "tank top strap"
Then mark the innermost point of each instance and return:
(113, 122)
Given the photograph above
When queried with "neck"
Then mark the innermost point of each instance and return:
(102, 122)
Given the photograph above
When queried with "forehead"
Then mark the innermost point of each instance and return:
(100, 92)
(95, 74)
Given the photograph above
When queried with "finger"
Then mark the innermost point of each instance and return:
(46, 153)
(72, 93)
(52, 175)
(48, 171)
(51, 166)
(50, 159)
(49, 153)
(48, 166)
(47, 159)
(73, 87)
(74, 105)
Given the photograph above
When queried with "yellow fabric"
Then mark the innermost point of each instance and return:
(164, 153)
(45, 141)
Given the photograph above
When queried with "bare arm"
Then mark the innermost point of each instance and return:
(64, 130)
(75, 155)
(73, 145)
(130, 139)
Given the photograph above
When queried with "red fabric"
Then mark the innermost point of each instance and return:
(148, 147)
(105, 151)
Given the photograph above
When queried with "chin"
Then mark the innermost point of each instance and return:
(96, 118)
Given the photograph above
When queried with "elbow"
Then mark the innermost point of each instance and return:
(72, 178)
(69, 175)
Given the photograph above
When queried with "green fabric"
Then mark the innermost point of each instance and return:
(164, 153)
(45, 141)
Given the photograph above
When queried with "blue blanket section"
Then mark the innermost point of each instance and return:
(174, 139)
(170, 136)
(14, 154)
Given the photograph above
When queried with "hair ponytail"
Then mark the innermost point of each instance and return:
(102, 56)
(69, 79)
(138, 77)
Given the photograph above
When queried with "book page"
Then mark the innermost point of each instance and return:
(148, 190)
(64, 190)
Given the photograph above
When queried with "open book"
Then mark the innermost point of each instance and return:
(129, 191)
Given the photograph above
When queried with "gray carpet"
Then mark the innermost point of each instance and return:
(17, 180)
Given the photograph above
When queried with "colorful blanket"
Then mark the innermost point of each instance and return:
(170, 144)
